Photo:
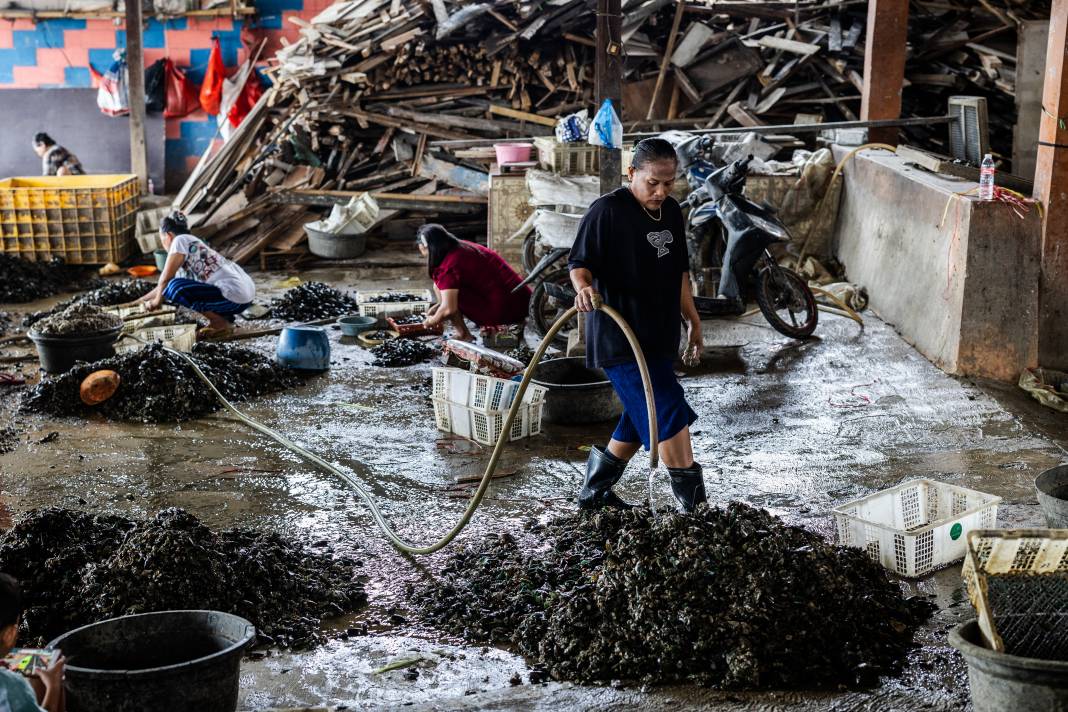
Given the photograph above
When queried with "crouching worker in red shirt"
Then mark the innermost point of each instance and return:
(470, 281)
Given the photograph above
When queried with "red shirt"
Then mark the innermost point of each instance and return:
(485, 282)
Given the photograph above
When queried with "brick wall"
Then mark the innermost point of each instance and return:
(53, 54)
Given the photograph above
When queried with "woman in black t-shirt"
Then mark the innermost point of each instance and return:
(631, 252)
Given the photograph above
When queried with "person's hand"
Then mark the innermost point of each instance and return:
(52, 676)
(694, 346)
(585, 299)
(433, 309)
(154, 303)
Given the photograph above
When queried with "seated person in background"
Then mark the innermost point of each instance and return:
(55, 160)
(16, 692)
(199, 278)
(470, 281)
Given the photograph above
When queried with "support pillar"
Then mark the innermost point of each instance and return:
(135, 61)
(608, 78)
(1051, 189)
(884, 66)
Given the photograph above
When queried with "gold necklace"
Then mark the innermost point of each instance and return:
(657, 219)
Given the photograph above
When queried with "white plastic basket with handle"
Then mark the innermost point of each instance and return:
(180, 337)
(485, 394)
(486, 428)
(367, 307)
(917, 526)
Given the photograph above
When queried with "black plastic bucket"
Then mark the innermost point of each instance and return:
(576, 394)
(1001, 682)
(171, 661)
(58, 354)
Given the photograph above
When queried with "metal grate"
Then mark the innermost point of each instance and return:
(1018, 582)
(969, 135)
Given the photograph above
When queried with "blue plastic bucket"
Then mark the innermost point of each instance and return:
(304, 348)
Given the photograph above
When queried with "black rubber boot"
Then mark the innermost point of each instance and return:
(603, 470)
(688, 486)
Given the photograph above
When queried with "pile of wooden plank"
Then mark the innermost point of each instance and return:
(358, 100)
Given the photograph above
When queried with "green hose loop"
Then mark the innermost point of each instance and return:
(498, 449)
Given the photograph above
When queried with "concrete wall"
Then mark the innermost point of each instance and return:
(56, 54)
(72, 114)
(956, 277)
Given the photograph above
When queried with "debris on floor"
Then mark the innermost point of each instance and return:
(403, 352)
(311, 301)
(158, 386)
(109, 294)
(23, 281)
(78, 319)
(731, 598)
(77, 568)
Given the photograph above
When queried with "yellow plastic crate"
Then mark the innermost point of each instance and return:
(83, 219)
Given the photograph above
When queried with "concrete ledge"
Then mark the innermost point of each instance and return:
(964, 289)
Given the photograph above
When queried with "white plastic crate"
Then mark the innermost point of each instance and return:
(164, 317)
(180, 337)
(384, 309)
(485, 394)
(917, 526)
(486, 428)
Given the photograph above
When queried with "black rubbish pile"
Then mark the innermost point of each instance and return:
(25, 281)
(77, 568)
(311, 301)
(402, 352)
(108, 294)
(78, 319)
(731, 598)
(158, 386)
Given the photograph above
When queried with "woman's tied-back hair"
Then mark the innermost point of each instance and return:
(43, 139)
(439, 242)
(175, 223)
(650, 150)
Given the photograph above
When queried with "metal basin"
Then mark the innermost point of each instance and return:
(1052, 489)
(576, 394)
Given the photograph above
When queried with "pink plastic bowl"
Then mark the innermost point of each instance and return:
(512, 152)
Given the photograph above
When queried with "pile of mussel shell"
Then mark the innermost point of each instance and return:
(311, 301)
(25, 281)
(78, 319)
(108, 294)
(402, 352)
(77, 568)
(158, 386)
(727, 597)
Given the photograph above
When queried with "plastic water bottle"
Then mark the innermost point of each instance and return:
(986, 178)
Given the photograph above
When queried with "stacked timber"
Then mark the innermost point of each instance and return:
(359, 101)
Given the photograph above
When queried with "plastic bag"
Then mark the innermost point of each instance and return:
(607, 129)
(156, 86)
(113, 97)
(574, 127)
(183, 97)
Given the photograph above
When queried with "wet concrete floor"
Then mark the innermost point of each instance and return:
(796, 428)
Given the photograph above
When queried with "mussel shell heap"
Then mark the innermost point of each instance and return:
(402, 352)
(25, 281)
(158, 386)
(76, 568)
(731, 598)
(311, 301)
(108, 295)
(78, 319)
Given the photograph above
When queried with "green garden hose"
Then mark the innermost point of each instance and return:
(498, 449)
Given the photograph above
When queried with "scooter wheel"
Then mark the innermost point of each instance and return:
(544, 311)
(786, 302)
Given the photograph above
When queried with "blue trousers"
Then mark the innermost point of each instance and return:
(673, 413)
(200, 297)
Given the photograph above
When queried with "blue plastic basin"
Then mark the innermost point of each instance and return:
(304, 348)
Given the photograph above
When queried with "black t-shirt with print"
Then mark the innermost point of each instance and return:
(637, 264)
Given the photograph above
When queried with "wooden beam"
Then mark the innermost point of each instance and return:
(679, 6)
(135, 60)
(1051, 189)
(608, 83)
(521, 115)
(884, 65)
